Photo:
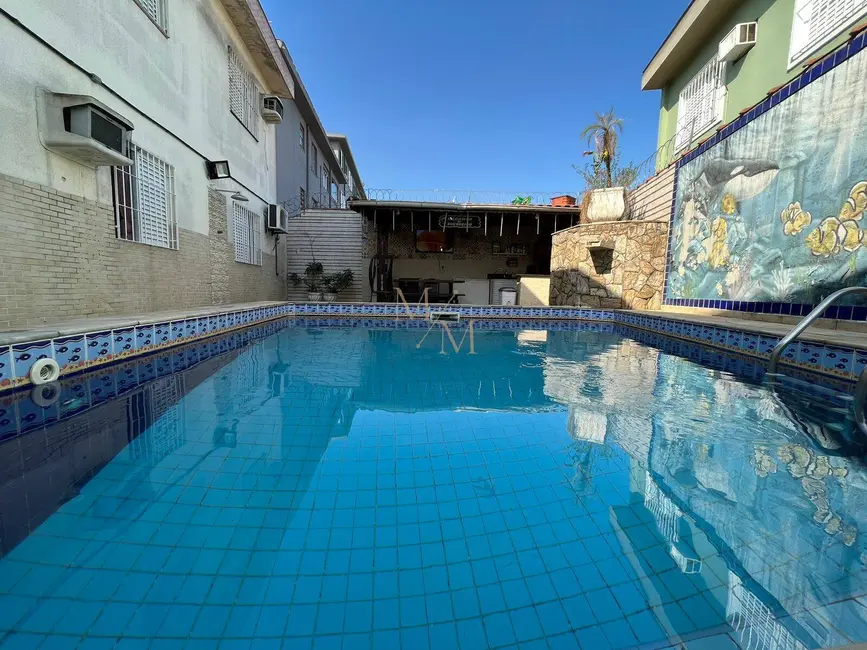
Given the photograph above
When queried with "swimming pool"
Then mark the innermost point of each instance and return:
(350, 484)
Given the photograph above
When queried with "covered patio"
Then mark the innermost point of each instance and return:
(466, 253)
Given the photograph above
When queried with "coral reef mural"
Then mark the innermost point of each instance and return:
(775, 212)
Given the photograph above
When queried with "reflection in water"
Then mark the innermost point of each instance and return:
(704, 502)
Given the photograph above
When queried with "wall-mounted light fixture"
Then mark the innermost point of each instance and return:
(218, 169)
(236, 196)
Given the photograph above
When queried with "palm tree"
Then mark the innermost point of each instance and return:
(602, 136)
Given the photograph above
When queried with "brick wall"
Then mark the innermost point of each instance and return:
(60, 259)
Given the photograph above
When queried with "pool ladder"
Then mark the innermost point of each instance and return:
(860, 386)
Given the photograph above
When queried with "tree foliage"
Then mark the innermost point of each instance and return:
(606, 171)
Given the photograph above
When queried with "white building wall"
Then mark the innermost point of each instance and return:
(179, 80)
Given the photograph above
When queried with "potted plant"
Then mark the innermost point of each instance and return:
(607, 182)
(335, 283)
(312, 279)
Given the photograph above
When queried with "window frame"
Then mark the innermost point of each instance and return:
(302, 197)
(134, 203)
(713, 67)
(855, 13)
(314, 158)
(161, 19)
(246, 222)
(302, 135)
(249, 94)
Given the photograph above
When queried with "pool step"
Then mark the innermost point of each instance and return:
(445, 316)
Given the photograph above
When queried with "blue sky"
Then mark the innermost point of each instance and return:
(481, 94)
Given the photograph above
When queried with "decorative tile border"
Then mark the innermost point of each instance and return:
(853, 46)
(84, 351)
(85, 390)
(814, 357)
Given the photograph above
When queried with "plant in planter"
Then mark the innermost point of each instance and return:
(313, 279)
(335, 283)
(606, 181)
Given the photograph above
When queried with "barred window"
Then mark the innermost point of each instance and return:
(247, 233)
(701, 103)
(144, 200)
(243, 94)
(314, 158)
(817, 22)
(156, 11)
(301, 134)
(302, 198)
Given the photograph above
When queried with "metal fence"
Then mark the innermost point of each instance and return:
(314, 201)
(328, 201)
(667, 153)
(468, 197)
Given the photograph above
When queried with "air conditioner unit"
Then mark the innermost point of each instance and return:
(82, 128)
(272, 109)
(738, 41)
(278, 218)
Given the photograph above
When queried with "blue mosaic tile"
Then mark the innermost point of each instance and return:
(838, 361)
(7, 369)
(144, 338)
(123, 342)
(162, 334)
(9, 418)
(24, 355)
(69, 352)
(177, 331)
(809, 354)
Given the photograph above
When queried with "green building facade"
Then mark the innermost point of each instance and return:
(788, 34)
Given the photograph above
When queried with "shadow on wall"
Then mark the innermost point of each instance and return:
(574, 288)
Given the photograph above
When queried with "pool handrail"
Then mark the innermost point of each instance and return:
(805, 323)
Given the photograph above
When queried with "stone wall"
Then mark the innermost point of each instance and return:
(627, 275)
(60, 259)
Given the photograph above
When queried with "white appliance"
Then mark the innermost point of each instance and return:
(500, 283)
(507, 296)
(738, 41)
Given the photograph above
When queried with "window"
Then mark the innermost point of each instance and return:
(301, 134)
(302, 196)
(325, 178)
(701, 103)
(314, 158)
(247, 233)
(243, 94)
(144, 200)
(156, 11)
(818, 22)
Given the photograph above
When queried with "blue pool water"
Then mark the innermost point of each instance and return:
(355, 487)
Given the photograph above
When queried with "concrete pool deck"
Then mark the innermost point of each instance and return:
(843, 333)
(85, 324)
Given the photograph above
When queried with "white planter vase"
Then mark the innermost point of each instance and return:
(314, 296)
(329, 297)
(606, 204)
